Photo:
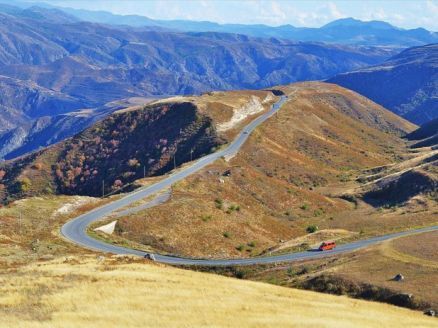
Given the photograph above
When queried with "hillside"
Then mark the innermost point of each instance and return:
(366, 274)
(52, 64)
(133, 143)
(91, 289)
(46, 279)
(426, 135)
(405, 84)
(281, 181)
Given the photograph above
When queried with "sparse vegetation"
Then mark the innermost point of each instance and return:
(218, 203)
(206, 218)
(240, 247)
(312, 228)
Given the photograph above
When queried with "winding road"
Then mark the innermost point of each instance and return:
(76, 229)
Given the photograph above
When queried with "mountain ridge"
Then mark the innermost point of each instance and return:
(86, 65)
(407, 83)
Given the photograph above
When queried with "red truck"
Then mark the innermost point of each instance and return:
(327, 245)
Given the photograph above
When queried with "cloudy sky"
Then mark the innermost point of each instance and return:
(402, 13)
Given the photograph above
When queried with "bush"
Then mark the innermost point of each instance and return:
(290, 272)
(218, 203)
(312, 228)
(226, 234)
(304, 207)
(240, 247)
(252, 244)
(25, 184)
(206, 218)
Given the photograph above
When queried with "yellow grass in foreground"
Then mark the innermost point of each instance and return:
(114, 293)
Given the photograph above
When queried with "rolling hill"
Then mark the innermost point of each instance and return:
(407, 83)
(91, 290)
(325, 135)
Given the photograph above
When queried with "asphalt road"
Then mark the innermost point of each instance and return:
(76, 229)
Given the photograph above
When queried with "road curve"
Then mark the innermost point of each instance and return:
(76, 229)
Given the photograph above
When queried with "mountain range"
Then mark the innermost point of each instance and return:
(52, 64)
(407, 83)
(341, 31)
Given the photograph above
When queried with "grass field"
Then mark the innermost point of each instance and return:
(122, 292)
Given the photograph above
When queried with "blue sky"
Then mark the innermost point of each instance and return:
(406, 14)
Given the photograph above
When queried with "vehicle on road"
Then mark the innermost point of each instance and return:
(327, 245)
(149, 256)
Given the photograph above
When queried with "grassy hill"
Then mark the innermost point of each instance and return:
(120, 291)
(287, 177)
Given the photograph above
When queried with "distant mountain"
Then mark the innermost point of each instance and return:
(407, 83)
(51, 64)
(342, 31)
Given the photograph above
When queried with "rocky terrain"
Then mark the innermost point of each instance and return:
(407, 83)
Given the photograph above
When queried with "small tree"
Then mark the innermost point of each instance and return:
(312, 228)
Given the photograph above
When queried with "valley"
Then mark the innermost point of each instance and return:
(159, 171)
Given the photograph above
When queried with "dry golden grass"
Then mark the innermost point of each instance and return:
(114, 292)
(30, 228)
(404, 255)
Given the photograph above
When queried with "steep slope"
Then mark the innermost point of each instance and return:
(407, 83)
(426, 135)
(415, 179)
(273, 189)
(132, 143)
(25, 100)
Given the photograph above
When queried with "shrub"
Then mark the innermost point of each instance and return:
(25, 184)
(290, 272)
(226, 234)
(304, 270)
(218, 203)
(312, 228)
(317, 213)
(240, 247)
(206, 218)
(239, 274)
(252, 244)
(304, 207)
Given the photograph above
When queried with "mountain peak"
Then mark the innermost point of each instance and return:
(352, 22)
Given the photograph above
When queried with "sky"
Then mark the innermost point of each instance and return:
(310, 13)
